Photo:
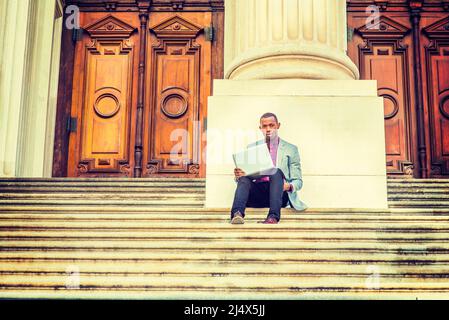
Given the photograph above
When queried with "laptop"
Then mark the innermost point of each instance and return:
(255, 161)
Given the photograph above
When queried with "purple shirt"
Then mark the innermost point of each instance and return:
(273, 148)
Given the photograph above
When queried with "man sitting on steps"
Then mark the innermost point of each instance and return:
(273, 191)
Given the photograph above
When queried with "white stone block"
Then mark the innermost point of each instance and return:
(340, 138)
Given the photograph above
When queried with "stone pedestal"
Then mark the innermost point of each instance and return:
(289, 57)
(337, 126)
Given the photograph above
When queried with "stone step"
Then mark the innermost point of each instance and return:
(232, 244)
(222, 281)
(423, 185)
(417, 191)
(408, 180)
(212, 267)
(192, 215)
(110, 189)
(223, 224)
(227, 294)
(219, 211)
(102, 179)
(120, 179)
(420, 196)
(161, 209)
(105, 184)
(150, 235)
(139, 209)
(225, 282)
(331, 256)
(101, 196)
(419, 203)
(102, 202)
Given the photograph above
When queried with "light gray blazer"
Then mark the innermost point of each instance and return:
(289, 162)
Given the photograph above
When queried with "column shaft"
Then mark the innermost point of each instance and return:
(15, 15)
(281, 39)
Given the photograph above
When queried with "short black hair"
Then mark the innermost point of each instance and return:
(268, 115)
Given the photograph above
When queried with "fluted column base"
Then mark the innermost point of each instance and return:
(293, 61)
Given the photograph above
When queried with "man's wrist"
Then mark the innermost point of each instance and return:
(290, 187)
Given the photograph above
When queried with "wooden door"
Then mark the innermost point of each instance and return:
(177, 82)
(104, 94)
(437, 70)
(383, 49)
(382, 53)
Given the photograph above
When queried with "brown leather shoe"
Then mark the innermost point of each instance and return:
(238, 218)
(271, 220)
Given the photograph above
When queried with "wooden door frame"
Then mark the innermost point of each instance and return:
(68, 45)
(64, 103)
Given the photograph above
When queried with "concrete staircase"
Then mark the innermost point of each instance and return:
(150, 238)
(101, 192)
(418, 193)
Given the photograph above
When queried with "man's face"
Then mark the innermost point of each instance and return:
(269, 127)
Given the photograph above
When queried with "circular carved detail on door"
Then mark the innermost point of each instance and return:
(391, 107)
(444, 107)
(174, 105)
(106, 105)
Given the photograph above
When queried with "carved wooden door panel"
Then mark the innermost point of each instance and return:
(437, 67)
(385, 63)
(178, 84)
(382, 53)
(101, 142)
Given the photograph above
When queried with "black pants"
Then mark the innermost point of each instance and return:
(261, 195)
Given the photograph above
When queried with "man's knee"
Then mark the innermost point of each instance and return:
(278, 173)
(244, 180)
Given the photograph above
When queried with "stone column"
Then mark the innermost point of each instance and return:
(29, 52)
(287, 39)
(38, 110)
(14, 17)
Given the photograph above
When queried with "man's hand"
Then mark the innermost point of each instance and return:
(239, 173)
(286, 186)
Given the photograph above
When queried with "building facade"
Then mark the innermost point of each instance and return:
(95, 88)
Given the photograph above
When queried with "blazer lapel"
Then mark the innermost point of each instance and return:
(280, 153)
